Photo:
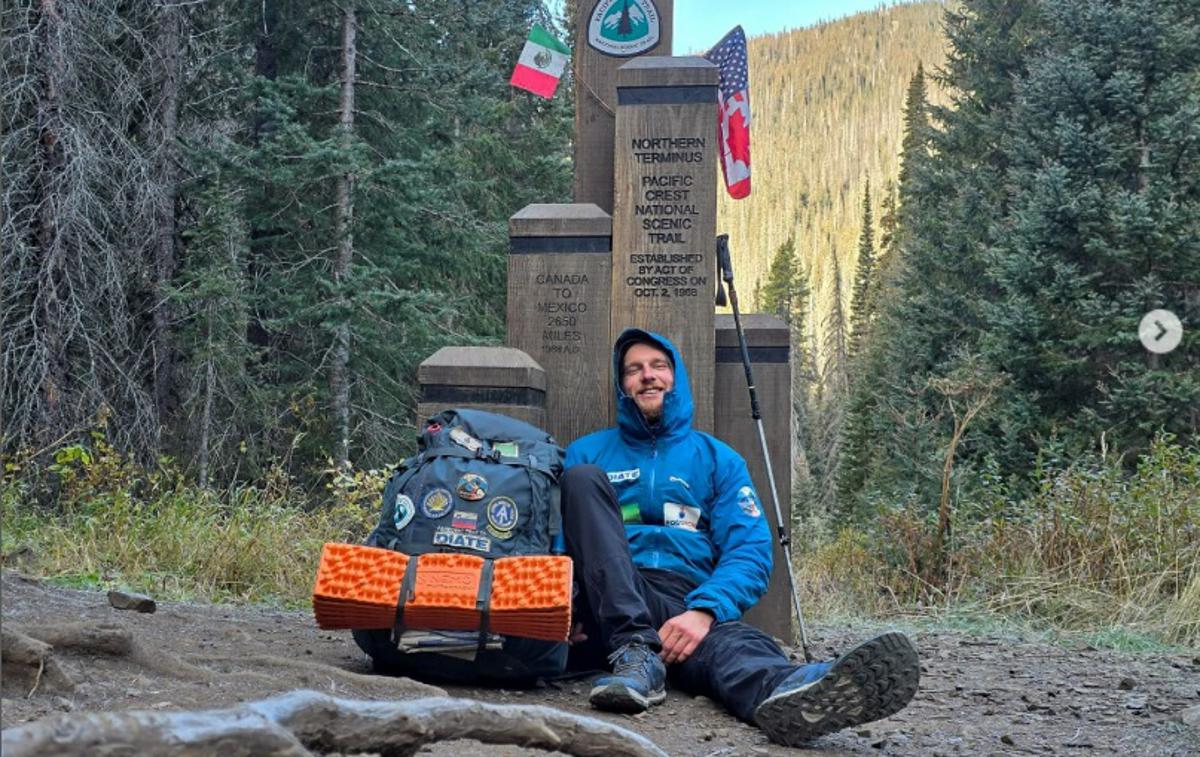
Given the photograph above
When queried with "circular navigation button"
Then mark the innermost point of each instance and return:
(1160, 331)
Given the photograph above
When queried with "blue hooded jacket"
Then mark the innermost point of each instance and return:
(686, 497)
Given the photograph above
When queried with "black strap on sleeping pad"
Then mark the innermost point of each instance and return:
(406, 592)
(483, 601)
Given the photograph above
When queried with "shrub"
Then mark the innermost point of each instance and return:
(1091, 549)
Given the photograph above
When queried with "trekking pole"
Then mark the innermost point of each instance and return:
(726, 266)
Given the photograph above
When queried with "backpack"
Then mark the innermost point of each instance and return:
(481, 484)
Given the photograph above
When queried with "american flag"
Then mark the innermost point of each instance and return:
(733, 128)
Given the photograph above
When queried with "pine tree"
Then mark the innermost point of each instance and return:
(951, 202)
(862, 310)
(1104, 208)
(883, 281)
(783, 294)
(916, 124)
(830, 401)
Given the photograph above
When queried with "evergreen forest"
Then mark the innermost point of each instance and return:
(232, 231)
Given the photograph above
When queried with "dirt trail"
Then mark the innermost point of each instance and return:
(979, 695)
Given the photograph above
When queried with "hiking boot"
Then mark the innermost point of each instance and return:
(871, 681)
(638, 680)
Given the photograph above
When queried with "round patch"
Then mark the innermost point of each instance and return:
(403, 511)
(748, 502)
(436, 503)
(472, 487)
(502, 513)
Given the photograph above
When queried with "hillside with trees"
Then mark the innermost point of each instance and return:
(827, 103)
(979, 403)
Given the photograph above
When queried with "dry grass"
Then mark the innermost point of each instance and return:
(105, 522)
(1095, 548)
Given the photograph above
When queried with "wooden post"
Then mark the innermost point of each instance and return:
(496, 379)
(665, 210)
(767, 341)
(599, 51)
(559, 289)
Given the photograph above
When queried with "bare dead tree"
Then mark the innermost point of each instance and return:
(965, 394)
(75, 211)
(167, 48)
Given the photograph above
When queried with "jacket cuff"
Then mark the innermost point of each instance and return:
(719, 610)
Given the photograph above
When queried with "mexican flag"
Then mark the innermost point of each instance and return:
(541, 64)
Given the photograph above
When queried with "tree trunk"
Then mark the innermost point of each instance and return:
(50, 308)
(167, 170)
(210, 380)
(340, 379)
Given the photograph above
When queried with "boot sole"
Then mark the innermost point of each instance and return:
(876, 679)
(617, 697)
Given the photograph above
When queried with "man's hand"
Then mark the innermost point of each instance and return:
(682, 634)
(577, 635)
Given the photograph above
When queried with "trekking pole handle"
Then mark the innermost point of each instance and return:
(726, 264)
(723, 261)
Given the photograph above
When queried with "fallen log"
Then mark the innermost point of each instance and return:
(23, 654)
(304, 723)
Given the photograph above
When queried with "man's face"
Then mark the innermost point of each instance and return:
(646, 375)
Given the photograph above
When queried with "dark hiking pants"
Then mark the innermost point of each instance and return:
(736, 664)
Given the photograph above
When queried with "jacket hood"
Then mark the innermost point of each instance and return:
(677, 403)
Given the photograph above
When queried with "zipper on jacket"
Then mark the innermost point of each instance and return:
(653, 465)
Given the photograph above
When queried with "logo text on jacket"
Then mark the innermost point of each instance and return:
(617, 476)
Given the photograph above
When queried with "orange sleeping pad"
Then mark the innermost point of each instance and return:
(359, 587)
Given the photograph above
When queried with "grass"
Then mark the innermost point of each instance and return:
(1096, 555)
(103, 522)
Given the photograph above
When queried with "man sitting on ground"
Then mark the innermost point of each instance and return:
(671, 547)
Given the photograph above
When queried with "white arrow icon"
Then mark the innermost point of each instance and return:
(1160, 331)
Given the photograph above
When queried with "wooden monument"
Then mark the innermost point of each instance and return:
(646, 152)
(770, 356)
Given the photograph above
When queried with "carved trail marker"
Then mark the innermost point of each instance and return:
(665, 210)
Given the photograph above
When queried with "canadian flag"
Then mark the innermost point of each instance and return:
(733, 128)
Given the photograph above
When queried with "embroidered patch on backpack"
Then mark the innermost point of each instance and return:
(436, 503)
(403, 511)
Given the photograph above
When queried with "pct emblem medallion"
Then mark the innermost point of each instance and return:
(623, 28)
